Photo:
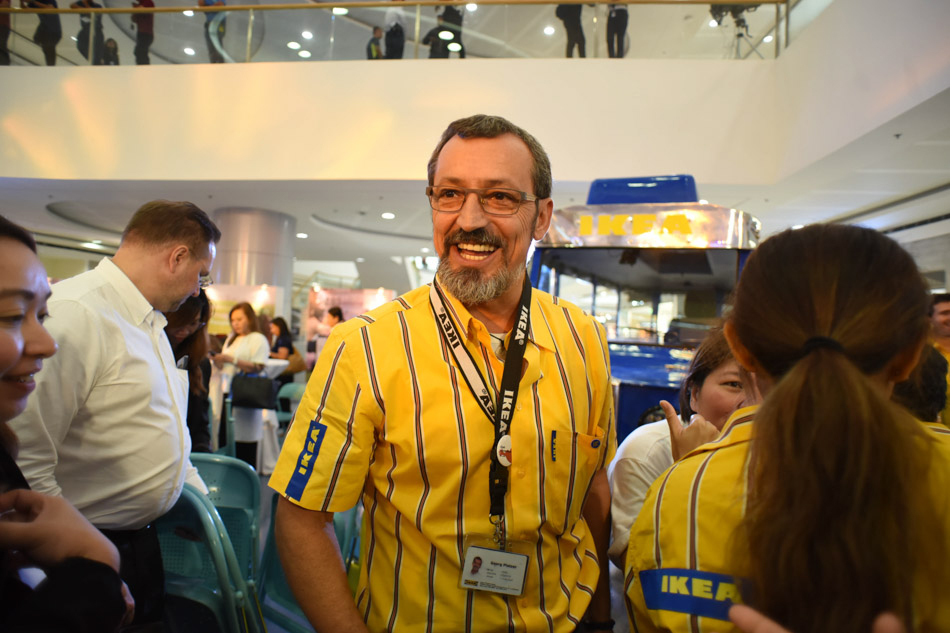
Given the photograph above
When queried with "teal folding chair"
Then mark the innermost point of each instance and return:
(277, 600)
(292, 391)
(195, 554)
(235, 490)
(227, 449)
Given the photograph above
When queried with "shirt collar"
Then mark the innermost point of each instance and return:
(135, 303)
(737, 429)
(539, 333)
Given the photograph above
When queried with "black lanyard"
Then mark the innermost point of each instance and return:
(499, 415)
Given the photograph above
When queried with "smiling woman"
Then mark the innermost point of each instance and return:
(83, 590)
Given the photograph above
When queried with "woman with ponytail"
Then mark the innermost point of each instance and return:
(828, 504)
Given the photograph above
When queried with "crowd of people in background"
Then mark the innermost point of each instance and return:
(804, 474)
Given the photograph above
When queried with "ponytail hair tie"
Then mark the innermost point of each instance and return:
(821, 342)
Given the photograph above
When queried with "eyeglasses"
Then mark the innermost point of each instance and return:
(204, 281)
(496, 201)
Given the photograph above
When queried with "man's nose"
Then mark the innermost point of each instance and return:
(472, 215)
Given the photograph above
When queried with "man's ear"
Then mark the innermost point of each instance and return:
(545, 211)
(177, 256)
(739, 351)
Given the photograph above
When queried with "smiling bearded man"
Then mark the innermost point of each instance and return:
(413, 410)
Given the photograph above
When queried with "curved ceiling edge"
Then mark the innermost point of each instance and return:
(343, 227)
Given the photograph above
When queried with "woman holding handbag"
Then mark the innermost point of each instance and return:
(244, 351)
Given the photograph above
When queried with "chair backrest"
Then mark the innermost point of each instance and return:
(291, 391)
(229, 448)
(234, 489)
(195, 559)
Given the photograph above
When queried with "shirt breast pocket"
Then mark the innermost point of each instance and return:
(572, 464)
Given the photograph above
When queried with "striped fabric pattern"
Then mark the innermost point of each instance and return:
(404, 432)
(683, 534)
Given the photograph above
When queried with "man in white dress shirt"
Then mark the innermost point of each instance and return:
(107, 428)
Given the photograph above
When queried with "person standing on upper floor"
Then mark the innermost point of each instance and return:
(427, 406)
(616, 29)
(110, 53)
(570, 15)
(85, 28)
(374, 48)
(940, 327)
(395, 24)
(452, 16)
(438, 47)
(49, 31)
(4, 33)
(106, 428)
(144, 24)
(214, 53)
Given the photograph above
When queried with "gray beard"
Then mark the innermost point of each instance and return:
(470, 288)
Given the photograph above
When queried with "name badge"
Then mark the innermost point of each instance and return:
(495, 571)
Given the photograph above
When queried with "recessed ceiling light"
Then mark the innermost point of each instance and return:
(425, 250)
(767, 39)
(471, 7)
(446, 35)
(713, 24)
(549, 30)
(92, 245)
(454, 47)
(388, 216)
(302, 236)
(294, 46)
(360, 260)
(188, 13)
(704, 202)
(798, 226)
(340, 10)
(304, 54)
(189, 51)
(307, 35)
(74, 38)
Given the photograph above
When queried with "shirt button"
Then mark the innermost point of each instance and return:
(521, 473)
(518, 406)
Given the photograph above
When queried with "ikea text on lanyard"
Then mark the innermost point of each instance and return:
(500, 415)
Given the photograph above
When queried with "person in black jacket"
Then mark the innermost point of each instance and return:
(187, 331)
(570, 15)
(82, 591)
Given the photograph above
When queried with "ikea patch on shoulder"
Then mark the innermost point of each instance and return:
(690, 591)
(304, 466)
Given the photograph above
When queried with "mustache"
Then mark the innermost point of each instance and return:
(478, 236)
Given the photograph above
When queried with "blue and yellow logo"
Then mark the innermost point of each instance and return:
(690, 591)
(301, 474)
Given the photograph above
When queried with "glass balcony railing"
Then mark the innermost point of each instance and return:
(269, 31)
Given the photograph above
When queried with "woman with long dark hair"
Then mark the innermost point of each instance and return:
(827, 505)
(187, 331)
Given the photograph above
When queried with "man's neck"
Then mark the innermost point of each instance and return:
(498, 315)
(135, 268)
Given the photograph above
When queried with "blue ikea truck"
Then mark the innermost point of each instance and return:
(656, 266)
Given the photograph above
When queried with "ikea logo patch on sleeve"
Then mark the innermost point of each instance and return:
(690, 591)
(304, 466)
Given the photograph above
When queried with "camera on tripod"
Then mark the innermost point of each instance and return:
(719, 11)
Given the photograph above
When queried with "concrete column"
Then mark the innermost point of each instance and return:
(255, 258)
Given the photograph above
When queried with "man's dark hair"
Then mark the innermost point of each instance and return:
(940, 297)
(162, 221)
(337, 312)
(16, 232)
(487, 126)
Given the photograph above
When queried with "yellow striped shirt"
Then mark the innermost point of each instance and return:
(677, 573)
(388, 415)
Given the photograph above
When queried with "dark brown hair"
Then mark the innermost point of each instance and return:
(486, 126)
(16, 232)
(839, 524)
(248, 311)
(159, 222)
(711, 353)
(195, 345)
